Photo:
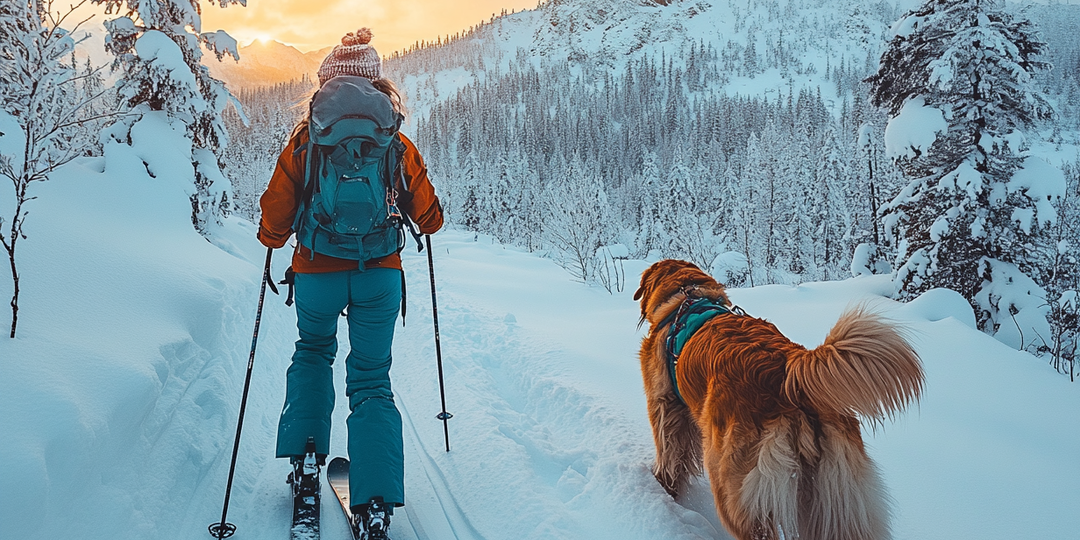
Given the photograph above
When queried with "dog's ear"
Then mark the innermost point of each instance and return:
(644, 281)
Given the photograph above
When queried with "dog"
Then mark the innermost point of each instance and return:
(774, 424)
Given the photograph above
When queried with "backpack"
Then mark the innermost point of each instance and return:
(348, 209)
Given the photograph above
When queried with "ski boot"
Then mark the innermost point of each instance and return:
(373, 520)
(304, 479)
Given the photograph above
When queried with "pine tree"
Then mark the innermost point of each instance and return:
(834, 220)
(156, 44)
(959, 73)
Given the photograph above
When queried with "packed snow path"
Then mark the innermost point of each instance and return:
(530, 448)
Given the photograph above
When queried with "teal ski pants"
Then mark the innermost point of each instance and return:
(372, 299)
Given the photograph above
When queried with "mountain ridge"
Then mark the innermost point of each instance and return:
(265, 63)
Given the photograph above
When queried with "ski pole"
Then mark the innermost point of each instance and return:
(444, 416)
(223, 529)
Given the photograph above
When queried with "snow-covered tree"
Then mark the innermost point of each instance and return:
(157, 45)
(43, 103)
(742, 195)
(651, 232)
(577, 217)
(258, 129)
(956, 80)
(1063, 279)
(833, 217)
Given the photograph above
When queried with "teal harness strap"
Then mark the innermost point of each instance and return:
(692, 314)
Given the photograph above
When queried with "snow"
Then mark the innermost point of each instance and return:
(221, 44)
(155, 48)
(906, 26)
(913, 129)
(118, 399)
(1044, 184)
(1021, 305)
(727, 264)
(12, 139)
(939, 304)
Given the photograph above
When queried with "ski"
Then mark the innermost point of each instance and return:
(337, 474)
(305, 491)
(376, 523)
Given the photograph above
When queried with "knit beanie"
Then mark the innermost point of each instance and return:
(353, 57)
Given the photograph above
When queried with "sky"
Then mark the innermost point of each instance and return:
(311, 25)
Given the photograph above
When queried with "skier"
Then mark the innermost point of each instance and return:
(326, 285)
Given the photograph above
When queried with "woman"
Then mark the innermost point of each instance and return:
(324, 287)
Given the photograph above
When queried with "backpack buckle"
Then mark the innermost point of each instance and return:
(392, 212)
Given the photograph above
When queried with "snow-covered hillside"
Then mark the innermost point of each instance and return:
(118, 400)
(792, 44)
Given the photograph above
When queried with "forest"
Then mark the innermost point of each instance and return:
(590, 163)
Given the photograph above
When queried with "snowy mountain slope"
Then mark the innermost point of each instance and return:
(597, 37)
(118, 400)
(265, 63)
(796, 44)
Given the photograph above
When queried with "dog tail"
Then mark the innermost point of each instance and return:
(865, 366)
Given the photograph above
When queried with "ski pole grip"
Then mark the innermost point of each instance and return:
(266, 271)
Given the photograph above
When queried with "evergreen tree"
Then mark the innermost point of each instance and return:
(156, 44)
(834, 220)
(959, 73)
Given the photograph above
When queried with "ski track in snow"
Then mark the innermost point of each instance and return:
(531, 452)
(534, 453)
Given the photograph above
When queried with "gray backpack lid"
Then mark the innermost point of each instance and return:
(346, 97)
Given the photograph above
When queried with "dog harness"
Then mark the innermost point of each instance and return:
(692, 314)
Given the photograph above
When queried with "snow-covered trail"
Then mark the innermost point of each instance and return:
(537, 446)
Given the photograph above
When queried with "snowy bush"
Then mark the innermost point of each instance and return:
(868, 260)
(578, 215)
(730, 268)
(610, 272)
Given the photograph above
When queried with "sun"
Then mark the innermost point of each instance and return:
(262, 38)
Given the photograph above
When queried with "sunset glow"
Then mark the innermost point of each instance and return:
(309, 25)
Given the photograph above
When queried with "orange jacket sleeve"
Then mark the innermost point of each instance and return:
(423, 206)
(281, 199)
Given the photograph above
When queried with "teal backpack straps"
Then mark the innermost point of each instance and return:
(308, 150)
(399, 174)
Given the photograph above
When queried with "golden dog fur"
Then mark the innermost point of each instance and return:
(774, 423)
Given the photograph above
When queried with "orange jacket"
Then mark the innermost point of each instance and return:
(282, 199)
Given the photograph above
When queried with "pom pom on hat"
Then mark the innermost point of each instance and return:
(361, 37)
(353, 57)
